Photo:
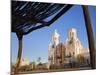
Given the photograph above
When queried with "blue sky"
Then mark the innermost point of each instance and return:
(36, 43)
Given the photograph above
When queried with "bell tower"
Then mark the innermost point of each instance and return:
(72, 34)
(55, 38)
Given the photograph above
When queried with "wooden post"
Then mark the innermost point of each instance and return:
(19, 53)
(90, 37)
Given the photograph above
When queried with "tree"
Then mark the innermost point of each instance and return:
(80, 59)
(39, 60)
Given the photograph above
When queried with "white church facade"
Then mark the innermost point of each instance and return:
(69, 51)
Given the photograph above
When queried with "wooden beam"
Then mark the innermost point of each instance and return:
(90, 36)
(18, 61)
(65, 9)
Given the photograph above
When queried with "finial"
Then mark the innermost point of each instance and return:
(55, 30)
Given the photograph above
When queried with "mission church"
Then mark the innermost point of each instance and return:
(69, 51)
